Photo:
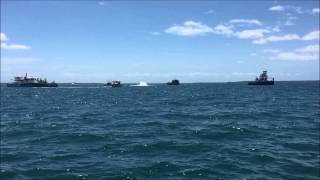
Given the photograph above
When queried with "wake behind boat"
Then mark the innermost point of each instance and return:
(31, 82)
(141, 84)
(74, 84)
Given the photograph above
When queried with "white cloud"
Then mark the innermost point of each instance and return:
(315, 11)
(314, 35)
(259, 41)
(289, 23)
(244, 34)
(287, 7)
(189, 28)
(20, 61)
(287, 11)
(307, 53)
(14, 46)
(289, 20)
(295, 8)
(3, 37)
(222, 29)
(101, 3)
(246, 21)
(172, 74)
(189, 74)
(258, 36)
(275, 29)
(293, 56)
(3, 45)
(270, 50)
(243, 74)
(287, 37)
(276, 8)
(309, 49)
(252, 33)
(210, 12)
(155, 33)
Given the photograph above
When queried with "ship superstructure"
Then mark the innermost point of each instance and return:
(262, 80)
(114, 83)
(173, 82)
(26, 81)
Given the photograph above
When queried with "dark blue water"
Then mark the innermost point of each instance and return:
(192, 131)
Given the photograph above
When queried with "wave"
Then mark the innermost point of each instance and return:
(141, 84)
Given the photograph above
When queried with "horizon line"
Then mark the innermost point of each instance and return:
(180, 82)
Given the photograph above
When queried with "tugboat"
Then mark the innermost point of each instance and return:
(173, 82)
(31, 82)
(262, 80)
(113, 83)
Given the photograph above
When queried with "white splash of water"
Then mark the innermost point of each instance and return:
(141, 84)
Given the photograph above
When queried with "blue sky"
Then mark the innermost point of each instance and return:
(149, 41)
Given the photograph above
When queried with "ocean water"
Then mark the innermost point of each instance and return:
(191, 131)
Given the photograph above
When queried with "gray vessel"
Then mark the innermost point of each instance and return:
(174, 82)
(262, 80)
(26, 81)
(113, 83)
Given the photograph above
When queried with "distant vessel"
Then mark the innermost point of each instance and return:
(74, 84)
(141, 84)
(108, 83)
(31, 82)
(262, 80)
(173, 82)
(113, 83)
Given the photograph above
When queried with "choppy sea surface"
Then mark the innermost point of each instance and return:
(191, 131)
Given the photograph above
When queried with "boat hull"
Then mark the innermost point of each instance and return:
(32, 85)
(261, 83)
(116, 85)
(169, 83)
